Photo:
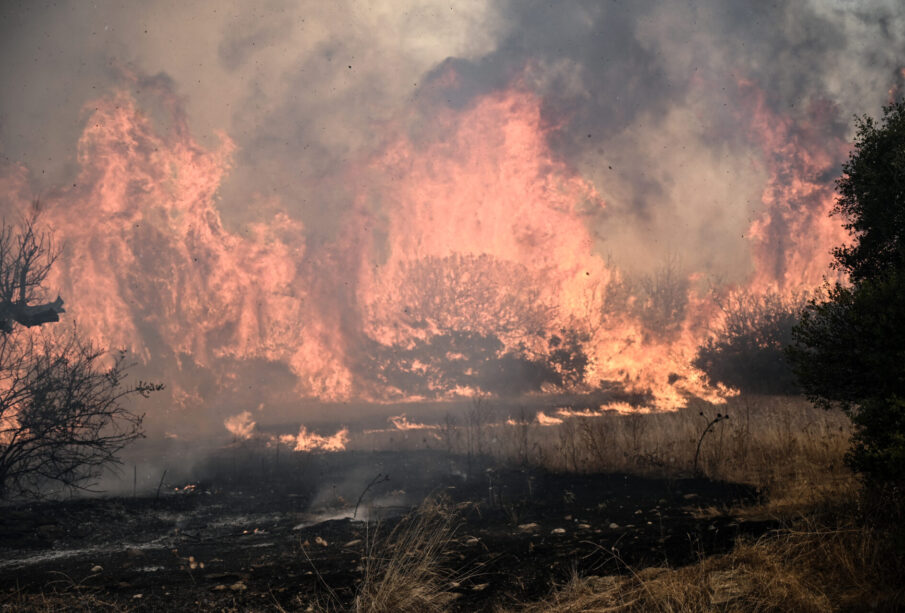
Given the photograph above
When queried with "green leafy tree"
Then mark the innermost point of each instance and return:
(746, 351)
(849, 349)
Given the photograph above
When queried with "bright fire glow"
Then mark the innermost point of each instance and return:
(310, 441)
(401, 422)
(240, 426)
(547, 420)
(475, 270)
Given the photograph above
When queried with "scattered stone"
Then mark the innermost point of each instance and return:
(558, 531)
(320, 541)
(97, 568)
(238, 586)
(528, 527)
(690, 496)
(472, 540)
(584, 526)
(614, 526)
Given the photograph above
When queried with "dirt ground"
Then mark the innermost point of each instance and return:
(280, 537)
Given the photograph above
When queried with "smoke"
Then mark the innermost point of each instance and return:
(286, 200)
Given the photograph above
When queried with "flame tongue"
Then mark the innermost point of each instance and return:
(149, 265)
(465, 265)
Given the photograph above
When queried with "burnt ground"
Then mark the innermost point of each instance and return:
(278, 537)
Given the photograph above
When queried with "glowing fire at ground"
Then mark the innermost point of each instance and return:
(547, 420)
(401, 422)
(241, 426)
(310, 441)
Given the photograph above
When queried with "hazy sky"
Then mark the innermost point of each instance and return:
(303, 87)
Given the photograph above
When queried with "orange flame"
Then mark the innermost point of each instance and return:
(547, 420)
(474, 228)
(241, 425)
(310, 441)
(401, 422)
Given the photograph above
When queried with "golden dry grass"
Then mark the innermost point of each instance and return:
(404, 571)
(773, 443)
(805, 570)
(823, 559)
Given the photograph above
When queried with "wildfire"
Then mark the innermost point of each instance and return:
(546, 420)
(565, 412)
(623, 408)
(310, 441)
(241, 426)
(466, 267)
(791, 241)
(401, 422)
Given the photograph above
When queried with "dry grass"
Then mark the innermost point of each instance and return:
(823, 559)
(774, 443)
(811, 570)
(404, 571)
(65, 595)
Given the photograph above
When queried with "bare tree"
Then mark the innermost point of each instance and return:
(61, 398)
(61, 412)
(26, 257)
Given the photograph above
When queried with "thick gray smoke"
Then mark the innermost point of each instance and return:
(649, 101)
(644, 93)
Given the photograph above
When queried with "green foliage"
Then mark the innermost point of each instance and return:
(849, 350)
(872, 197)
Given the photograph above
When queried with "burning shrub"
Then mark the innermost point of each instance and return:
(480, 293)
(444, 363)
(658, 300)
(472, 323)
(746, 351)
(664, 297)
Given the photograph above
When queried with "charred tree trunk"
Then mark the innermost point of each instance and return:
(29, 315)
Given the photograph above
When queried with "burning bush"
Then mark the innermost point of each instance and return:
(472, 323)
(746, 351)
(468, 362)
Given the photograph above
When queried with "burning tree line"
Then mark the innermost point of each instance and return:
(477, 323)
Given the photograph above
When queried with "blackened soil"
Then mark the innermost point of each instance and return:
(280, 541)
